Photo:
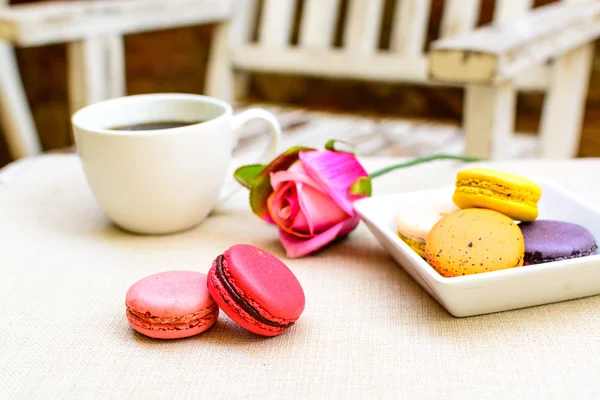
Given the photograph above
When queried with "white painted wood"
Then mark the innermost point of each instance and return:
(115, 54)
(276, 23)
(507, 10)
(40, 23)
(533, 79)
(86, 72)
(318, 22)
(489, 121)
(459, 16)
(488, 116)
(335, 63)
(501, 52)
(382, 66)
(410, 27)
(241, 29)
(362, 26)
(562, 115)
(242, 23)
(17, 121)
(219, 74)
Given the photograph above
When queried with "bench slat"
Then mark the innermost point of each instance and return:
(318, 23)
(42, 23)
(363, 26)
(276, 24)
(459, 16)
(410, 26)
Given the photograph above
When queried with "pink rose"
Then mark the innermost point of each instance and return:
(308, 195)
(311, 202)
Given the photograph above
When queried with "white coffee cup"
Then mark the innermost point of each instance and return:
(165, 180)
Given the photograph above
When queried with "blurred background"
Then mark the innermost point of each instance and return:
(175, 61)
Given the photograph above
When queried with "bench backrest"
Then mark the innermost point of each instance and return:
(262, 40)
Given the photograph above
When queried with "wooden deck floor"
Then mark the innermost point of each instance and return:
(380, 136)
(392, 137)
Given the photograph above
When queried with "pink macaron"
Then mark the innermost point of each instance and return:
(256, 290)
(171, 305)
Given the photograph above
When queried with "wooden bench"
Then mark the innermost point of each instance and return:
(544, 49)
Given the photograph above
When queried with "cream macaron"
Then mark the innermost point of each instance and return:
(414, 221)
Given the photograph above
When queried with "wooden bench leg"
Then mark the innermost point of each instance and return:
(115, 51)
(17, 121)
(564, 106)
(489, 120)
(219, 75)
(86, 68)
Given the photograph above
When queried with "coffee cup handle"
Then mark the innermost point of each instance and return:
(270, 152)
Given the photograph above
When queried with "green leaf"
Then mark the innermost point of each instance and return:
(248, 173)
(331, 146)
(285, 159)
(362, 187)
(259, 193)
(261, 187)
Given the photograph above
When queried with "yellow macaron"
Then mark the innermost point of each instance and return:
(474, 241)
(509, 194)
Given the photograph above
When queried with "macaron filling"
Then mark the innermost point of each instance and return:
(498, 191)
(190, 321)
(240, 301)
(417, 246)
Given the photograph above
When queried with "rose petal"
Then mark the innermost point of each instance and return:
(334, 172)
(349, 225)
(320, 210)
(296, 173)
(297, 247)
(300, 223)
(285, 198)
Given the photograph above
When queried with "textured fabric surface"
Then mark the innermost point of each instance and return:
(368, 331)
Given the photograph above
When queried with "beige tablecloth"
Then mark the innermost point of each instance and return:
(368, 330)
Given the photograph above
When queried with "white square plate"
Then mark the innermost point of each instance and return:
(497, 290)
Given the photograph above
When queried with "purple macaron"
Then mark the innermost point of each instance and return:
(547, 241)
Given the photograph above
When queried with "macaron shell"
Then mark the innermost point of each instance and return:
(474, 241)
(550, 240)
(171, 334)
(482, 199)
(266, 280)
(414, 221)
(169, 294)
(505, 179)
(227, 305)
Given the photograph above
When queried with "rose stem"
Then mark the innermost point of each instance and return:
(422, 160)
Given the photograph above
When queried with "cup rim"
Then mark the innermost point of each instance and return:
(77, 118)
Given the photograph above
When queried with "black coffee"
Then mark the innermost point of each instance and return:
(152, 126)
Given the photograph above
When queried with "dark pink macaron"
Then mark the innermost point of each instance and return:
(171, 305)
(256, 290)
